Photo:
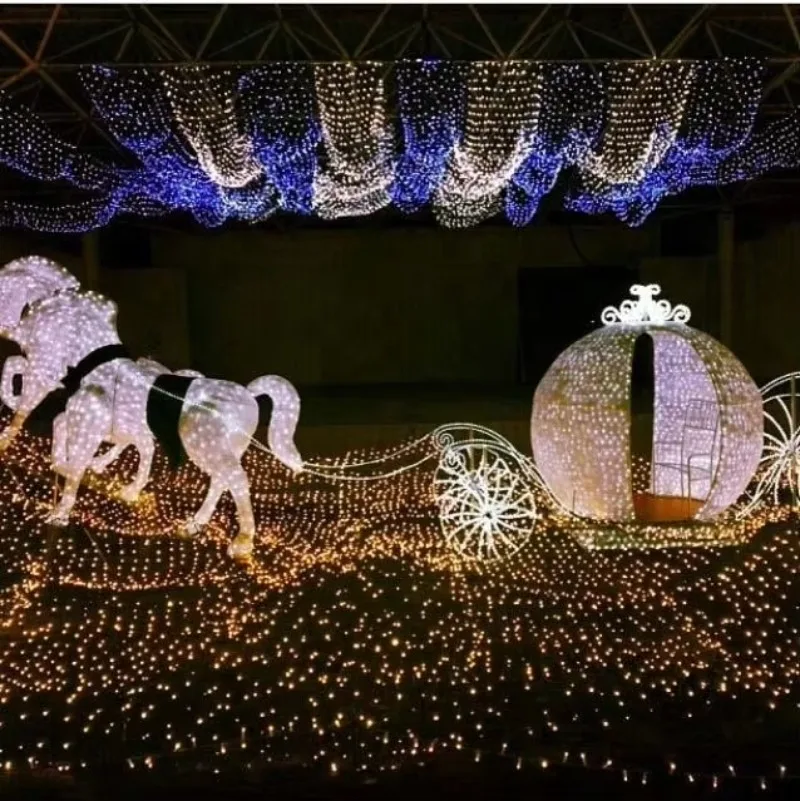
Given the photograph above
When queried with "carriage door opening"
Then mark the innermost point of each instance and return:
(643, 389)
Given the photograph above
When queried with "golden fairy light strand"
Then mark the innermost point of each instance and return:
(269, 596)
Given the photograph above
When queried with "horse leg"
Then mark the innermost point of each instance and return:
(86, 418)
(203, 515)
(146, 449)
(58, 453)
(242, 544)
(100, 463)
(36, 385)
(216, 446)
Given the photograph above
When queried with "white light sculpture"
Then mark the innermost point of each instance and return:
(216, 422)
(707, 419)
(486, 492)
(779, 469)
(26, 280)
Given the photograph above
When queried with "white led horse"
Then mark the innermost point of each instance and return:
(23, 282)
(26, 280)
(216, 420)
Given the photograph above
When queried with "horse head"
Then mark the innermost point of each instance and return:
(64, 328)
(26, 281)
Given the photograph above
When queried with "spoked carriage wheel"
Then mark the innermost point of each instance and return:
(779, 470)
(486, 504)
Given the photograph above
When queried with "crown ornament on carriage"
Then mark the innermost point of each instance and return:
(645, 309)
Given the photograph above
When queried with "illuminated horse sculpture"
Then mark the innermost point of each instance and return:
(23, 282)
(70, 340)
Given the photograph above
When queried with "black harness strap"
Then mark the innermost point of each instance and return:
(53, 404)
(164, 406)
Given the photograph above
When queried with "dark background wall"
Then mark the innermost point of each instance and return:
(364, 306)
(367, 306)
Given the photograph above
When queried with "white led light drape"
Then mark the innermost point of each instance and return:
(468, 139)
(503, 103)
(646, 103)
(204, 106)
(358, 167)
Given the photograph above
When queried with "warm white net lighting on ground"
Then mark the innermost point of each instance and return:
(400, 604)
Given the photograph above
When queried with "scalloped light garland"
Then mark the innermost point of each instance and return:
(471, 139)
(357, 140)
(502, 110)
(203, 105)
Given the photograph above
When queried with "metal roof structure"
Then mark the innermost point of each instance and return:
(43, 47)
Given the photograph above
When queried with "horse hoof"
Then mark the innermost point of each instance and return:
(129, 495)
(190, 529)
(241, 549)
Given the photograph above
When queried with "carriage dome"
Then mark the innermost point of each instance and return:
(707, 422)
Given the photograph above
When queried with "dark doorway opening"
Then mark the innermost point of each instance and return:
(559, 305)
(643, 390)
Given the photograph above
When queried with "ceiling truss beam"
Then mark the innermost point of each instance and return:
(642, 30)
(40, 70)
(210, 33)
(342, 50)
(63, 67)
(749, 37)
(93, 40)
(779, 81)
(47, 34)
(611, 40)
(165, 32)
(273, 32)
(499, 53)
(529, 31)
(371, 32)
(686, 32)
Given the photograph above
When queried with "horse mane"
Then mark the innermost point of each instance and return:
(101, 304)
(43, 269)
(48, 300)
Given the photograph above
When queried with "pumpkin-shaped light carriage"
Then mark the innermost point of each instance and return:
(704, 445)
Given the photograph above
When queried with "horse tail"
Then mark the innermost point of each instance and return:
(284, 418)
